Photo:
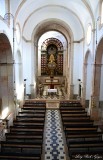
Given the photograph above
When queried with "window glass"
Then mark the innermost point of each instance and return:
(2, 8)
(89, 34)
(102, 13)
(18, 33)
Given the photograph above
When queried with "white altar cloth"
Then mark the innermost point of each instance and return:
(52, 90)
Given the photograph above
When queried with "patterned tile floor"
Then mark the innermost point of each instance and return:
(54, 145)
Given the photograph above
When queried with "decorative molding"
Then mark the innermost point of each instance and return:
(3, 64)
(27, 41)
(79, 41)
(98, 64)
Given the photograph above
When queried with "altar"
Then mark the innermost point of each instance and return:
(52, 104)
(51, 91)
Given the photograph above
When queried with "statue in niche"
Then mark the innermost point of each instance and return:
(51, 64)
(51, 58)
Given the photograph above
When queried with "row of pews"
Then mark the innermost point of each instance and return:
(25, 139)
(83, 137)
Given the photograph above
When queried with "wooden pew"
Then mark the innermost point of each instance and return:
(33, 108)
(25, 132)
(76, 119)
(35, 103)
(23, 137)
(26, 129)
(32, 111)
(77, 124)
(27, 124)
(85, 147)
(70, 104)
(91, 155)
(84, 136)
(74, 115)
(71, 107)
(21, 147)
(19, 156)
(64, 110)
(31, 126)
(26, 116)
(38, 120)
(82, 129)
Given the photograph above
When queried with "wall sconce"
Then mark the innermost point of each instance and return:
(25, 87)
(79, 79)
(79, 88)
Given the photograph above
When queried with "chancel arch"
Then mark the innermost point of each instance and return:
(67, 49)
(51, 59)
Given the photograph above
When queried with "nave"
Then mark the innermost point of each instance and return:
(67, 133)
(54, 139)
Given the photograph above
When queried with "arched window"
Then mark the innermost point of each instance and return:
(4, 7)
(18, 33)
(102, 13)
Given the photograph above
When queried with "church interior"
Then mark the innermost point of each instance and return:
(51, 79)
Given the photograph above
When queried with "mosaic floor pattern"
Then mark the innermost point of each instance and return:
(54, 145)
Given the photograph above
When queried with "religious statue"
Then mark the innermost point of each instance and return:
(51, 58)
(51, 64)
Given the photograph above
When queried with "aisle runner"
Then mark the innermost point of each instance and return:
(54, 147)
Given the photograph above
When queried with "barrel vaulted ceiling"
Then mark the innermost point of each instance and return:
(72, 14)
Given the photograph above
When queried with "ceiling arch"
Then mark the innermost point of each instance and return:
(53, 25)
(55, 41)
(74, 5)
(33, 22)
(73, 8)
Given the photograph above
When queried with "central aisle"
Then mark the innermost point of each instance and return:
(54, 143)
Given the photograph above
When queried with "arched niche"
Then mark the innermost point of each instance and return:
(98, 72)
(48, 46)
(96, 112)
(87, 79)
(19, 76)
(6, 75)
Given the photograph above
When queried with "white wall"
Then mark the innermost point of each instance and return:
(19, 77)
(77, 65)
(27, 65)
(89, 77)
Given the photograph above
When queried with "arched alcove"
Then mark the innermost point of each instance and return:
(51, 42)
(67, 33)
(87, 79)
(6, 76)
(98, 72)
